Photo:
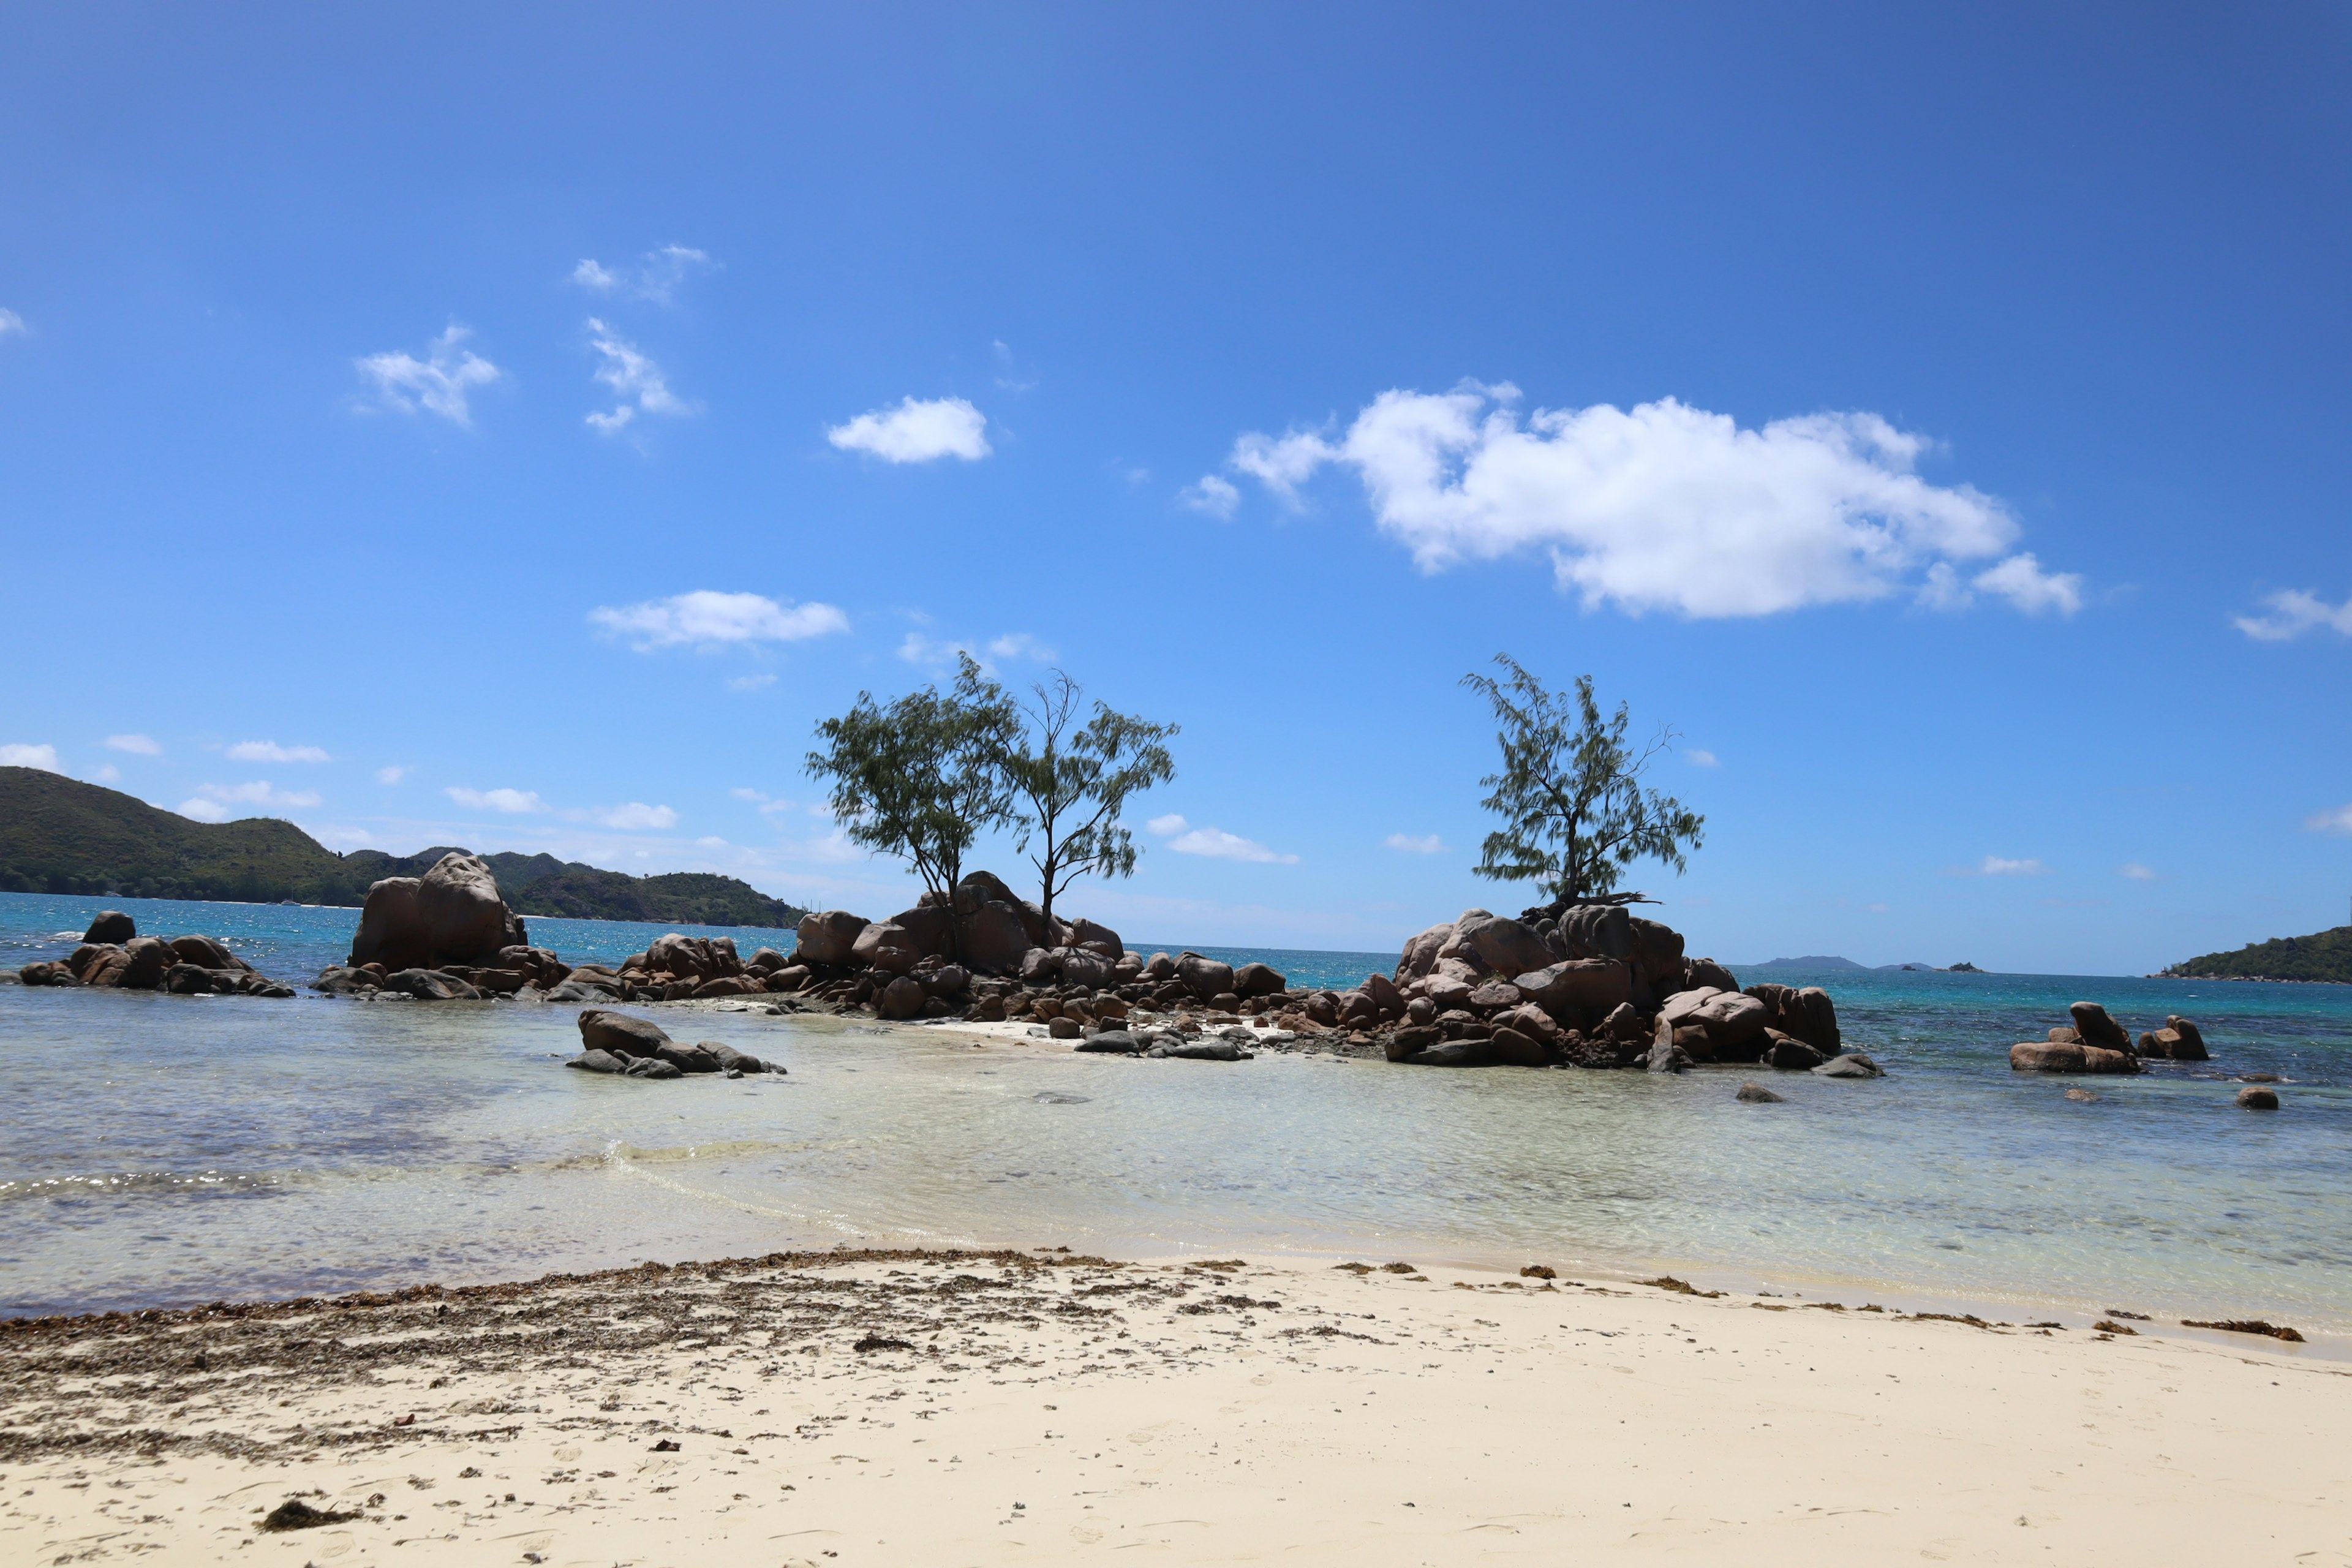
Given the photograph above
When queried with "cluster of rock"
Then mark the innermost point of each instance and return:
(2096, 1043)
(446, 936)
(113, 954)
(637, 1047)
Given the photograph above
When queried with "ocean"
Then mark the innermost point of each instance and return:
(161, 1150)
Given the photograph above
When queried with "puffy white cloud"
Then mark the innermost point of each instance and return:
(1018, 644)
(1427, 844)
(260, 792)
(1663, 506)
(2336, 821)
(917, 432)
(1703, 758)
(1212, 494)
(1214, 842)
(335, 837)
(514, 801)
(140, 745)
(202, 810)
(2294, 613)
(12, 325)
(19, 756)
(440, 382)
(655, 277)
(2137, 873)
(636, 381)
(706, 619)
(271, 752)
(391, 776)
(1994, 865)
(636, 817)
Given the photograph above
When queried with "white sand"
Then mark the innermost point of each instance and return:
(1072, 1412)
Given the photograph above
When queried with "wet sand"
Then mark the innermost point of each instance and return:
(980, 1407)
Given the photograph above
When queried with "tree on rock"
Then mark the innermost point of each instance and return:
(1071, 783)
(925, 776)
(1574, 812)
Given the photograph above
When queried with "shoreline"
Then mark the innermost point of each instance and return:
(894, 1406)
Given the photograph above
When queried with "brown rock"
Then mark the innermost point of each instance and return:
(2188, 1040)
(111, 928)
(828, 937)
(887, 947)
(1756, 1094)
(1657, 953)
(1262, 980)
(1512, 1049)
(1204, 977)
(1503, 945)
(1495, 993)
(1808, 1014)
(622, 1034)
(1579, 983)
(2046, 1056)
(2091, 1022)
(1421, 952)
(995, 938)
(902, 998)
(1597, 931)
(2254, 1097)
(1706, 973)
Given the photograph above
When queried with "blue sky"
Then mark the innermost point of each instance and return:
(519, 429)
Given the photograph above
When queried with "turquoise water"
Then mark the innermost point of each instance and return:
(159, 1149)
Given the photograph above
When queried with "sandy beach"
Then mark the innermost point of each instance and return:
(981, 1407)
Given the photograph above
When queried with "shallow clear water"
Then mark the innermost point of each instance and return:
(159, 1149)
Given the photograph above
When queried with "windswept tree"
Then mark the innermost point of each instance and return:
(1070, 783)
(925, 776)
(1574, 812)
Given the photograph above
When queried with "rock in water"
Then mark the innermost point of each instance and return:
(2255, 1098)
(1854, 1064)
(598, 1061)
(1111, 1042)
(452, 914)
(2188, 1043)
(1756, 1094)
(111, 928)
(2091, 1022)
(619, 1033)
(430, 985)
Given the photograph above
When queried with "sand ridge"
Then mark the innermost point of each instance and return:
(973, 1408)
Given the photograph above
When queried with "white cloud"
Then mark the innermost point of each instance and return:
(1018, 644)
(1664, 506)
(1214, 842)
(2136, 871)
(514, 801)
(1704, 759)
(141, 745)
(1428, 844)
(749, 682)
(710, 619)
(2294, 613)
(2336, 821)
(637, 817)
(260, 792)
(1213, 494)
(271, 752)
(1007, 377)
(635, 380)
(107, 773)
(712, 842)
(42, 757)
(343, 838)
(655, 277)
(939, 654)
(931, 653)
(11, 324)
(769, 804)
(440, 382)
(916, 432)
(390, 776)
(202, 810)
(1994, 865)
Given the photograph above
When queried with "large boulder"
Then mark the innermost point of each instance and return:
(452, 914)
(1421, 953)
(1657, 953)
(929, 928)
(2069, 1056)
(1704, 972)
(1597, 931)
(1040, 965)
(1204, 977)
(1808, 1014)
(902, 998)
(995, 936)
(112, 928)
(147, 959)
(827, 937)
(1576, 982)
(430, 985)
(691, 957)
(1504, 945)
(1260, 980)
(1097, 938)
(1085, 966)
(620, 1033)
(205, 953)
(885, 945)
(2091, 1022)
(1733, 1025)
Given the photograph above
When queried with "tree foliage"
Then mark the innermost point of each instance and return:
(1574, 812)
(1070, 783)
(925, 776)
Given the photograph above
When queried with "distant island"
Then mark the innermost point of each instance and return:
(60, 835)
(1820, 962)
(2322, 956)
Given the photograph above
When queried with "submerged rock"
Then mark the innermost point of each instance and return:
(1854, 1064)
(2255, 1098)
(1756, 1094)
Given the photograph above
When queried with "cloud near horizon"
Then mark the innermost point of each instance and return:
(1214, 842)
(637, 817)
(706, 619)
(1663, 506)
(2294, 613)
(142, 746)
(917, 432)
(438, 384)
(212, 802)
(43, 757)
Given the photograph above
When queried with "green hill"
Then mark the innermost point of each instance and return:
(60, 835)
(2324, 955)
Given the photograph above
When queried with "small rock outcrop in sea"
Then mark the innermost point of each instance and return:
(637, 1047)
(452, 914)
(114, 956)
(2096, 1043)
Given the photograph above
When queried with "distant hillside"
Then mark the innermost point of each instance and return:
(2324, 955)
(60, 835)
(1814, 962)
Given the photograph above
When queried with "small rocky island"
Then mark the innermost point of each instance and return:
(113, 955)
